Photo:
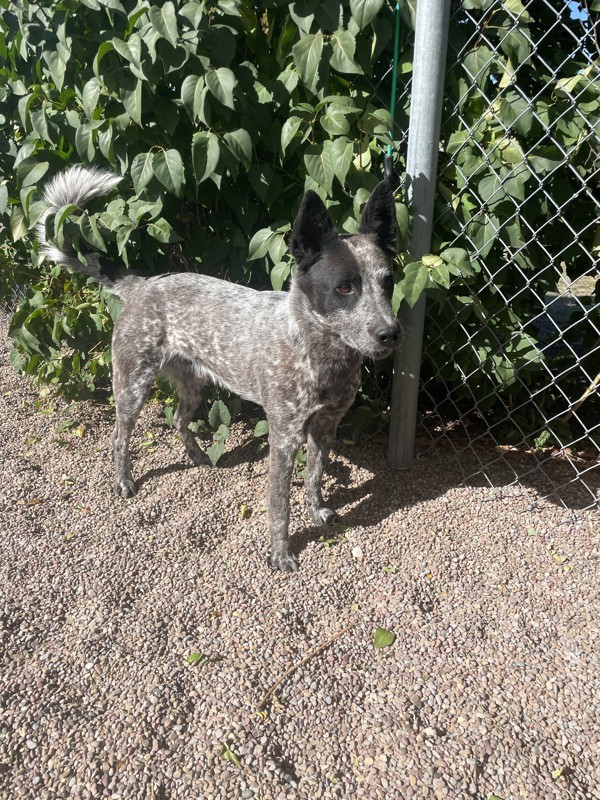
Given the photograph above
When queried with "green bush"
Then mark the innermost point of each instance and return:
(218, 115)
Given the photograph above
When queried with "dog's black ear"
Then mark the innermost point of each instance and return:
(311, 231)
(379, 217)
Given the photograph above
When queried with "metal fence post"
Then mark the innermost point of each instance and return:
(431, 40)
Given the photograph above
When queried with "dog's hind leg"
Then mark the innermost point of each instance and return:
(189, 393)
(189, 400)
(129, 400)
(134, 369)
(321, 434)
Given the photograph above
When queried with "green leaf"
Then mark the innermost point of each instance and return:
(458, 259)
(413, 282)
(192, 95)
(342, 152)
(483, 232)
(39, 123)
(240, 145)
(545, 159)
(230, 756)
(259, 244)
(61, 215)
(196, 658)
(218, 415)
(205, 155)
(90, 96)
(279, 275)
(365, 11)
(36, 209)
(288, 130)
(441, 275)
(320, 165)
(142, 171)
(131, 51)
(515, 112)
(402, 220)
(35, 174)
(164, 20)
(3, 198)
(89, 230)
(490, 189)
(477, 64)
(344, 48)
(383, 638)
(215, 451)
(132, 101)
(307, 58)
(56, 66)
(104, 48)
(106, 145)
(18, 225)
(261, 428)
(84, 142)
(300, 12)
(221, 83)
(335, 120)
(163, 231)
(167, 165)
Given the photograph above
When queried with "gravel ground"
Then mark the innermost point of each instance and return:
(491, 687)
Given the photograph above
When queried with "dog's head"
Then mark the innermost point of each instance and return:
(348, 280)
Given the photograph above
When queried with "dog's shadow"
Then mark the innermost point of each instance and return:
(378, 492)
(161, 472)
(375, 493)
(249, 451)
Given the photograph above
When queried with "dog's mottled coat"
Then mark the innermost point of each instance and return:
(296, 353)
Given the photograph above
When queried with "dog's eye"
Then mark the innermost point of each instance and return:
(345, 288)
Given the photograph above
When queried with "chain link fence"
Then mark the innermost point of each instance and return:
(510, 382)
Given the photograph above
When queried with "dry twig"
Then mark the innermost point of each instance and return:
(306, 658)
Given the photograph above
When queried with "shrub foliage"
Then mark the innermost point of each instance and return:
(219, 115)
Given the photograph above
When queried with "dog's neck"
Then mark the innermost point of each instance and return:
(311, 336)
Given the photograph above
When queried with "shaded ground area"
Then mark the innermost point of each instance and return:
(491, 686)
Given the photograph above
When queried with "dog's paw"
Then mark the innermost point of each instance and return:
(286, 561)
(125, 488)
(323, 516)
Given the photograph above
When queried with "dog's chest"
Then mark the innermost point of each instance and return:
(300, 389)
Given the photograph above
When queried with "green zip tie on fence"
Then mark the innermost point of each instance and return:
(388, 164)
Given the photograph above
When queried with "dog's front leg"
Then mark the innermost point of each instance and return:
(281, 465)
(320, 438)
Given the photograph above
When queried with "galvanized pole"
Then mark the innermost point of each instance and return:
(431, 40)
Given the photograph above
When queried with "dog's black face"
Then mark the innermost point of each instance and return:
(348, 280)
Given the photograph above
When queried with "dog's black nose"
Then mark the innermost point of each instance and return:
(388, 336)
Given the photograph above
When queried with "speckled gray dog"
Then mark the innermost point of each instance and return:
(297, 353)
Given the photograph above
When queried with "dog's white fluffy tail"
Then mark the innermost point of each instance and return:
(77, 185)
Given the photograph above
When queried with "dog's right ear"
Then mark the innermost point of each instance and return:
(311, 231)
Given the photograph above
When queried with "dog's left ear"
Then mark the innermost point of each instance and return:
(312, 230)
(379, 217)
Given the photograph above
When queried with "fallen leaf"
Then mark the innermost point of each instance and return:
(195, 658)
(383, 638)
(229, 755)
